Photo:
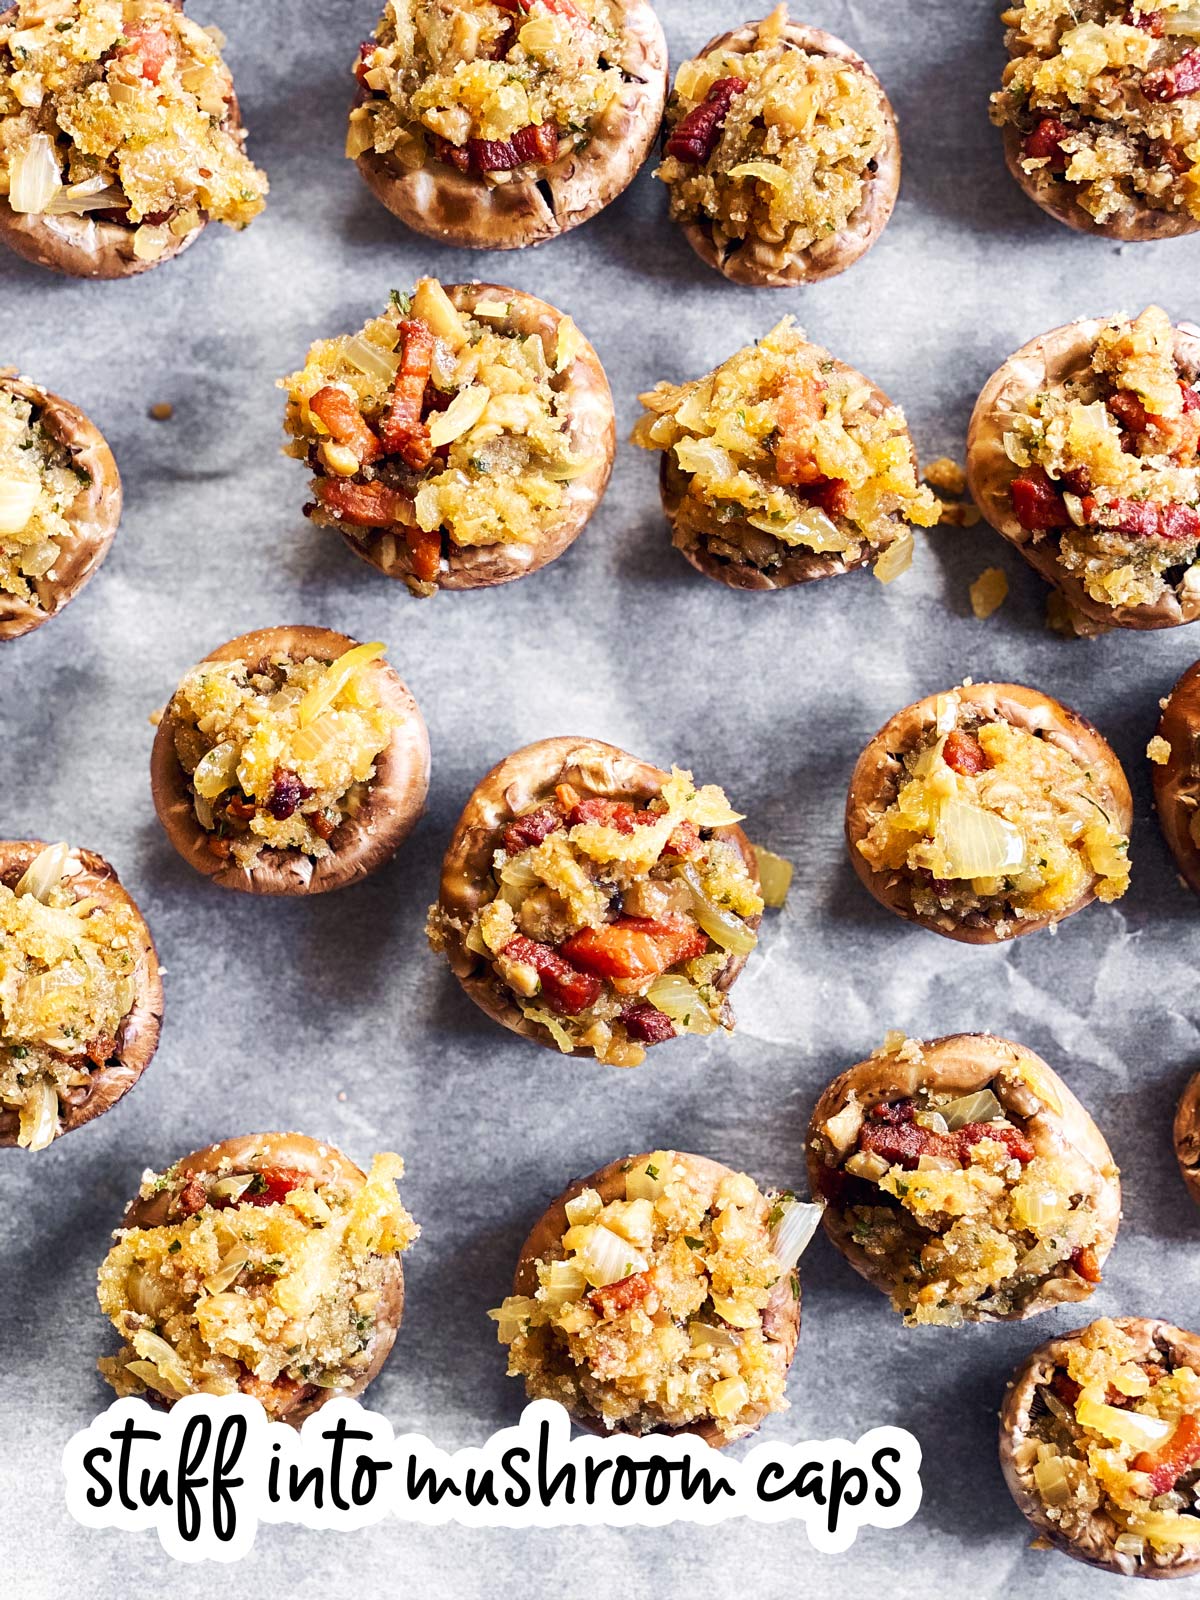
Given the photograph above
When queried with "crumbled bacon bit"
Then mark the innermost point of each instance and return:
(614, 1298)
(1173, 1458)
(401, 429)
(219, 847)
(695, 137)
(963, 752)
(537, 143)
(363, 505)
(1148, 21)
(1045, 143)
(425, 552)
(1086, 1264)
(1146, 519)
(531, 829)
(1174, 82)
(636, 947)
(799, 406)
(274, 1395)
(101, 1049)
(321, 825)
(152, 46)
(834, 496)
(904, 1142)
(647, 1024)
(345, 422)
(684, 842)
(565, 988)
(192, 1197)
(240, 809)
(1037, 504)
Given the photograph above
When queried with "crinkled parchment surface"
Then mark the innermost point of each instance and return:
(331, 1017)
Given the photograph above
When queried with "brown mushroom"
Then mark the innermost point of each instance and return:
(89, 876)
(538, 202)
(1050, 362)
(753, 260)
(1177, 777)
(880, 772)
(1186, 1134)
(1031, 1098)
(587, 402)
(91, 245)
(780, 1317)
(1087, 1534)
(92, 517)
(363, 842)
(517, 786)
(291, 1153)
(788, 565)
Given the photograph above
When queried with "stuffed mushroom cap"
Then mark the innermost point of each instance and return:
(324, 1164)
(91, 877)
(1177, 778)
(756, 262)
(1048, 362)
(513, 787)
(92, 518)
(879, 771)
(959, 1065)
(799, 565)
(89, 246)
(462, 208)
(1155, 1341)
(587, 401)
(780, 1317)
(1186, 1133)
(363, 842)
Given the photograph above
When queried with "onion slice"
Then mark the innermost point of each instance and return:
(790, 1236)
(977, 843)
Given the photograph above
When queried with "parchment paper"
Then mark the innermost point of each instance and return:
(331, 1016)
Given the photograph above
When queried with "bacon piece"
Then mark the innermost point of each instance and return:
(614, 1298)
(1172, 1458)
(365, 51)
(274, 1395)
(216, 846)
(684, 842)
(1065, 1387)
(1147, 519)
(271, 1185)
(1178, 436)
(321, 825)
(363, 505)
(647, 1023)
(1086, 1264)
(1045, 143)
(531, 829)
(566, 989)
(1014, 1141)
(1129, 411)
(152, 46)
(241, 810)
(192, 1197)
(903, 1142)
(425, 551)
(964, 753)
(1191, 399)
(286, 794)
(1037, 504)
(618, 814)
(695, 137)
(536, 143)
(1148, 21)
(401, 429)
(454, 155)
(636, 947)
(798, 408)
(834, 496)
(1173, 83)
(345, 422)
(101, 1049)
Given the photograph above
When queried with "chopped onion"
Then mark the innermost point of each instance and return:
(460, 416)
(981, 1107)
(843, 1129)
(678, 998)
(705, 1333)
(774, 876)
(216, 770)
(315, 741)
(585, 1207)
(33, 175)
(233, 1188)
(607, 1258)
(229, 1267)
(977, 843)
(165, 1360)
(896, 559)
(796, 1226)
(370, 359)
(642, 1184)
(491, 310)
(563, 1282)
(45, 872)
(1053, 1484)
(18, 497)
(769, 172)
(721, 926)
(1165, 1528)
(38, 1121)
(553, 1027)
(37, 559)
(433, 306)
(336, 678)
(1130, 1544)
(1115, 1422)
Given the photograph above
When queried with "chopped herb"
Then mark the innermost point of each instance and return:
(175, 1246)
(401, 302)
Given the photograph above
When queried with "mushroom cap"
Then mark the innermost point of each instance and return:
(137, 1037)
(1177, 780)
(878, 772)
(1156, 1340)
(781, 1315)
(92, 518)
(593, 435)
(86, 246)
(1046, 363)
(464, 209)
(1186, 1134)
(1055, 196)
(519, 782)
(324, 1163)
(961, 1064)
(798, 565)
(755, 262)
(362, 843)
